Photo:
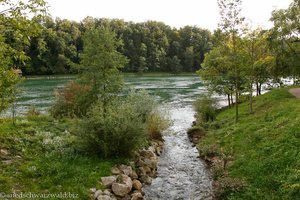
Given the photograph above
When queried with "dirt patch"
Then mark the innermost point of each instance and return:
(295, 92)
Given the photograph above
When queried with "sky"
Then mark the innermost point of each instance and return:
(176, 13)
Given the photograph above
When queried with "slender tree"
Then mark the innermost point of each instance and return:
(101, 62)
(231, 21)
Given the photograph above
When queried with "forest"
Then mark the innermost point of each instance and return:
(150, 46)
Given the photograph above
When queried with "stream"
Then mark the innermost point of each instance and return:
(181, 175)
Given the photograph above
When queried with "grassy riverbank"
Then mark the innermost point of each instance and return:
(261, 152)
(38, 155)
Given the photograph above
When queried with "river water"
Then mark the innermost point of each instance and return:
(181, 175)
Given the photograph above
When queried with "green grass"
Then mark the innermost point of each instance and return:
(45, 159)
(265, 146)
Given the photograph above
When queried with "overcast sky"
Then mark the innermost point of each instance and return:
(176, 13)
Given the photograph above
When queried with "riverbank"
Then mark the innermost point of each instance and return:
(39, 155)
(259, 157)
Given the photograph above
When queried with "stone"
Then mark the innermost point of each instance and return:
(127, 170)
(146, 169)
(146, 179)
(104, 197)
(133, 175)
(137, 196)
(4, 152)
(127, 197)
(107, 181)
(123, 185)
(97, 193)
(136, 184)
(7, 162)
(115, 170)
(147, 154)
(141, 171)
(151, 148)
(140, 163)
(107, 192)
(158, 150)
(92, 190)
(151, 163)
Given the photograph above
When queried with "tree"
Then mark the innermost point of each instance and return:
(285, 40)
(15, 32)
(101, 62)
(231, 21)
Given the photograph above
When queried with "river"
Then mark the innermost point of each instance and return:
(181, 175)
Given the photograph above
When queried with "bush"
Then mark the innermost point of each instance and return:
(205, 108)
(123, 127)
(156, 123)
(73, 100)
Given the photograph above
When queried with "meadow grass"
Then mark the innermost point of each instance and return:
(264, 146)
(43, 158)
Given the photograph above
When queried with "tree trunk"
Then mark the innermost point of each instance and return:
(257, 89)
(236, 103)
(251, 99)
(228, 98)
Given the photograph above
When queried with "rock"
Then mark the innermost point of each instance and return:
(107, 192)
(133, 175)
(146, 179)
(151, 148)
(107, 181)
(4, 152)
(92, 190)
(136, 184)
(147, 154)
(104, 197)
(127, 197)
(141, 171)
(146, 169)
(151, 163)
(137, 196)
(127, 170)
(160, 143)
(158, 151)
(115, 170)
(123, 185)
(97, 193)
(7, 162)
(140, 163)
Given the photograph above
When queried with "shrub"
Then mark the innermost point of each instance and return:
(142, 103)
(205, 108)
(123, 127)
(156, 123)
(116, 133)
(73, 100)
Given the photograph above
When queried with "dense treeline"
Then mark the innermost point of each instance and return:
(149, 46)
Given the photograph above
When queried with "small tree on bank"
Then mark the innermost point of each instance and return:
(100, 64)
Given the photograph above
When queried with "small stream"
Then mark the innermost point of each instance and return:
(181, 175)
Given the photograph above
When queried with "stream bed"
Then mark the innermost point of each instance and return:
(181, 175)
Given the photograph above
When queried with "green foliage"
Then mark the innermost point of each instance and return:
(116, 133)
(101, 62)
(284, 40)
(156, 123)
(264, 147)
(205, 108)
(74, 100)
(43, 153)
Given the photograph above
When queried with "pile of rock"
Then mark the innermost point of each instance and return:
(125, 182)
